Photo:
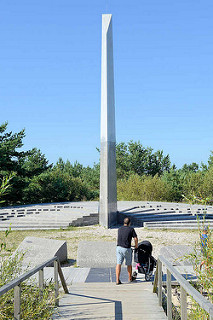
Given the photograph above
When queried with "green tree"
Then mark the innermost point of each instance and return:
(135, 158)
(210, 160)
(206, 187)
(173, 180)
(23, 164)
(192, 183)
(89, 176)
(4, 186)
(11, 160)
(193, 167)
(122, 160)
(35, 163)
(74, 170)
(55, 186)
(10, 157)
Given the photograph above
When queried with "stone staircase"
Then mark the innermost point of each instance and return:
(48, 216)
(142, 214)
(178, 224)
(92, 219)
(167, 215)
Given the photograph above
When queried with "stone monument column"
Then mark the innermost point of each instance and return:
(108, 179)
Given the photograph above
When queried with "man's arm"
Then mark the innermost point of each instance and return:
(136, 242)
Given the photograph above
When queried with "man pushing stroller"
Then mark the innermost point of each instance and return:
(123, 250)
(142, 255)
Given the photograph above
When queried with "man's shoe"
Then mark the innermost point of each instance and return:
(119, 282)
(133, 279)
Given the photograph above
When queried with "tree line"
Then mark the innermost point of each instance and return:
(142, 174)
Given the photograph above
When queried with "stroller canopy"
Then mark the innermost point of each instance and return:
(146, 246)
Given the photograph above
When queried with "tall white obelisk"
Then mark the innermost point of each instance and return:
(108, 179)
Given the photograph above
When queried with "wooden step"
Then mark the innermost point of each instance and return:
(96, 301)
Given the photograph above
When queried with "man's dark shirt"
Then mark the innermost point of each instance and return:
(125, 235)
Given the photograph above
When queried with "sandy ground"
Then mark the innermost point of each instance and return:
(158, 238)
(97, 233)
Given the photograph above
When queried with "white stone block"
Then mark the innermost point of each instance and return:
(38, 250)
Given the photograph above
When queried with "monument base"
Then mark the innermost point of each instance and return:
(38, 250)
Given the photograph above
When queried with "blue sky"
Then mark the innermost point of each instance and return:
(50, 71)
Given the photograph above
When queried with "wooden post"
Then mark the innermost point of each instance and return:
(159, 282)
(169, 295)
(183, 303)
(63, 282)
(41, 279)
(56, 282)
(155, 284)
(17, 302)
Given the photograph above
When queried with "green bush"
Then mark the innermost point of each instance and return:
(174, 185)
(142, 188)
(34, 305)
(193, 183)
(55, 186)
(207, 186)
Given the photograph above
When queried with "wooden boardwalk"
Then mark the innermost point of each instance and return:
(106, 301)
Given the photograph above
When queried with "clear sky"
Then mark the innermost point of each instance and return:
(50, 71)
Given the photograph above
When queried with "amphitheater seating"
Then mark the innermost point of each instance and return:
(142, 214)
(47, 216)
(167, 215)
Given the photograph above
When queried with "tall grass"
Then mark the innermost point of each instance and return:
(34, 304)
(204, 273)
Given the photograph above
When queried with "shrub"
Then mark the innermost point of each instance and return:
(142, 188)
(54, 186)
(204, 274)
(34, 305)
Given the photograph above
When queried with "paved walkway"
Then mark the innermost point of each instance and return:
(129, 301)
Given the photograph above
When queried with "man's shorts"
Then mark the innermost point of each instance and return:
(124, 253)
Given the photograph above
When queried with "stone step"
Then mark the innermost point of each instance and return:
(85, 213)
(26, 221)
(86, 220)
(177, 224)
(50, 220)
(22, 228)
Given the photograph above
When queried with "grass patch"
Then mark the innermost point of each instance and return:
(72, 235)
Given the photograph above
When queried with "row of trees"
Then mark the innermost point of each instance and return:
(35, 180)
(143, 174)
(172, 186)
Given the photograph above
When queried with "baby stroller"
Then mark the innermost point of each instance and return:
(144, 259)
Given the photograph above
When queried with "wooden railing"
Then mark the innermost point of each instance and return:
(16, 284)
(185, 288)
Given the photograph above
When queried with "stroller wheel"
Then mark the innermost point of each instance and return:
(134, 274)
(147, 277)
